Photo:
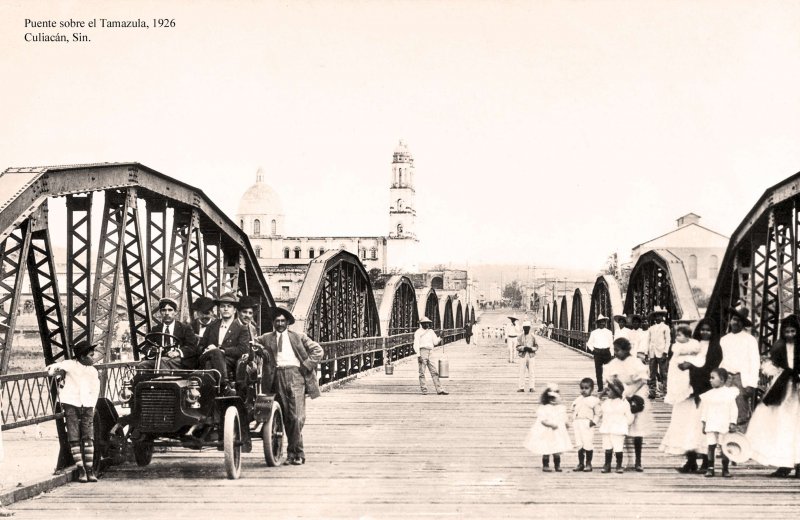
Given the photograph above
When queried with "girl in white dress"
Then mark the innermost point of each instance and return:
(548, 435)
(616, 419)
(633, 375)
(685, 349)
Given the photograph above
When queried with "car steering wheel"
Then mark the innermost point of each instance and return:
(153, 341)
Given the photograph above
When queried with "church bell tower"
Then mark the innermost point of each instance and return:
(402, 241)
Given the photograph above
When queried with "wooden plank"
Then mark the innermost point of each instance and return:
(377, 448)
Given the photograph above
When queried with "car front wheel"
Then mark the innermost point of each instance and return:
(232, 443)
(273, 435)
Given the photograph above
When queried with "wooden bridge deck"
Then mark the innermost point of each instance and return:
(377, 448)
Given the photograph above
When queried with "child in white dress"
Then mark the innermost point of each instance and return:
(548, 435)
(585, 416)
(616, 418)
(719, 414)
(684, 349)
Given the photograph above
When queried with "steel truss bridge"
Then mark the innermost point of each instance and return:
(161, 237)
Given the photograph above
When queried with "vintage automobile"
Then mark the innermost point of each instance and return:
(188, 409)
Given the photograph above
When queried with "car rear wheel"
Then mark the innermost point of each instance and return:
(274, 436)
(143, 452)
(232, 443)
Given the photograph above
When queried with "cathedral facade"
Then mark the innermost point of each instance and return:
(284, 259)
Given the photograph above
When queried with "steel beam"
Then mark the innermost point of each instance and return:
(13, 252)
(79, 285)
(105, 292)
(156, 250)
(135, 274)
(44, 285)
(178, 266)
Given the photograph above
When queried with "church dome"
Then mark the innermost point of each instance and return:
(260, 199)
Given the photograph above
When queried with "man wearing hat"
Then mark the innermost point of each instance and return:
(294, 359)
(184, 354)
(659, 341)
(224, 342)
(599, 344)
(526, 350)
(245, 313)
(78, 398)
(511, 333)
(741, 359)
(424, 341)
(203, 311)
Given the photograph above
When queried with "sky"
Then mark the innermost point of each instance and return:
(544, 132)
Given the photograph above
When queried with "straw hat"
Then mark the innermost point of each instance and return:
(736, 447)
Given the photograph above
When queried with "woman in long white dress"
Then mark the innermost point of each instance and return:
(774, 429)
(633, 375)
(684, 435)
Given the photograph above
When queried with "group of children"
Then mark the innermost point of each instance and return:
(610, 415)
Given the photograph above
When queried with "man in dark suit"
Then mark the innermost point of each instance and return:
(294, 359)
(203, 310)
(224, 342)
(185, 353)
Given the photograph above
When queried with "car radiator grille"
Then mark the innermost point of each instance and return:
(157, 408)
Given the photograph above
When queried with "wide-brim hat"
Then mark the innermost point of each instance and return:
(275, 312)
(601, 318)
(656, 311)
(167, 302)
(620, 317)
(203, 304)
(741, 312)
(736, 447)
(82, 347)
(513, 318)
(425, 319)
(248, 302)
(228, 297)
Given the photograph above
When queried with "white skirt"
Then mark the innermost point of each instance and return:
(542, 440)
(774, 431)
(685, 431)
(642, 424)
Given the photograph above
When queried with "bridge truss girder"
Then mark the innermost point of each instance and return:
(606, 300)
(659, 279)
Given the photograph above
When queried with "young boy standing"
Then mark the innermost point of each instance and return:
(78, 398)
(585, 415)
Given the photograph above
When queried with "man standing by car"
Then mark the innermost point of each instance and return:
(179, 335)
(296, 357)
(224, 342)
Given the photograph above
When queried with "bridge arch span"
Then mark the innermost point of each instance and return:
(459, 315)
(446, 312)
(659, 279)
(428, 305)
(398, 306)
(606, 300)
(336, 301)
(187, 248)
(760, 266)
(580, 309)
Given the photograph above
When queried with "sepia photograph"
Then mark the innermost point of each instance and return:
(399, 259)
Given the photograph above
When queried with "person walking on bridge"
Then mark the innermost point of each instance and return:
(511, 333)
(295, 357)
(424, 341)
(660, 338)
(599, 344)
(526, 350)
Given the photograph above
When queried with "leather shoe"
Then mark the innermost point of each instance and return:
(442, 392)
(521, 390)
(298, 461)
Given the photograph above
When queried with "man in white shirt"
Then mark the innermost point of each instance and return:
(424, 341)
(741, 359)
(659, 341)
(599, 344)
(511, 333)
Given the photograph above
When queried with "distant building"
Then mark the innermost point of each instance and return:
(699, 248)
(261, 216)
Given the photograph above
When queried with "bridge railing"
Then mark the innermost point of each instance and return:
(347, 357)
(32, 397)
(574, 338)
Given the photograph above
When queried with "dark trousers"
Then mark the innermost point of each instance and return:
(658, 372)
(291, 388)
(215, 359)
(601, 357)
